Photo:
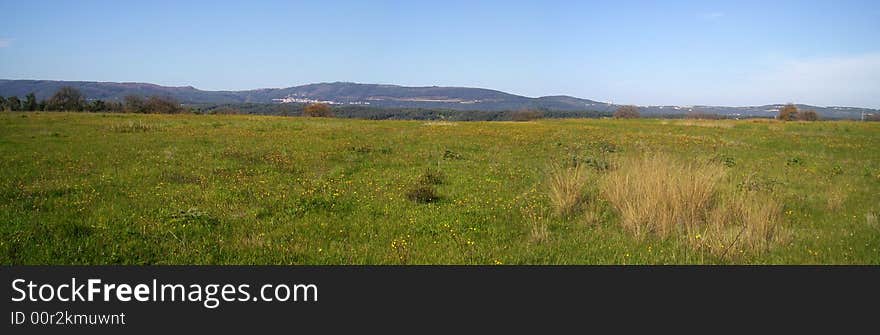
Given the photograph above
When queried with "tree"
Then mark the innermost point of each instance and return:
(134, 104)
(114, 106)
(318, 110)
(30, 103)
(2, 104)
(788, 112)
(627, 112)
(526, 115)
(97, 106)
(42, 105)
(808, 115)
(67, 98)
(13, 103)
(163, 105)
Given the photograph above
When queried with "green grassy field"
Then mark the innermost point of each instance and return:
(189, 189)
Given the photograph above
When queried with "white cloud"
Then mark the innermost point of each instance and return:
(5, 42)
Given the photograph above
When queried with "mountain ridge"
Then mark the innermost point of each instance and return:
(386, 96)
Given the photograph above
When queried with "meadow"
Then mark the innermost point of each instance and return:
(84, 188)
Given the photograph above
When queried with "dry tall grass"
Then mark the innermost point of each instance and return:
(538, 231)
(567, 188)
(656, 195)
(743, 222)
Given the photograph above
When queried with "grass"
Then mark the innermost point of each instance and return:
(567, 188)
(657, 195)
(236, 189)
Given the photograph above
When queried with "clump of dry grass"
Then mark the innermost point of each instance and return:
(656, 195)
(835, 197)
(567, 188)
(705, 123)
(538, 231)
(743, 222)
(133, 127)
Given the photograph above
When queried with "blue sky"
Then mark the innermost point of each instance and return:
(639, 52)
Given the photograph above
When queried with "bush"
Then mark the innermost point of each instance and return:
(627, 112)
(808, 115)
(432, 177)
(422, 193)
(318, 110)
(788, 112)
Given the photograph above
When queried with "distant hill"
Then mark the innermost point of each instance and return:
(387, 96)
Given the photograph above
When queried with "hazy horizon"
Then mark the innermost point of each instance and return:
(743, 53)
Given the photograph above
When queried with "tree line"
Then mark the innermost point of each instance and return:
(69, 99)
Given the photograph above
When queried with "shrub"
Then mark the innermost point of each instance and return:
(422, 193)
(627, 112)
(808, 115)
(432, 177)
(788, 112)
(318, 110)
(567, 189)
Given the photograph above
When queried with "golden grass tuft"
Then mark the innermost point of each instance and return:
(743, 222)
(659, 196)
(538, 231)
(725, 124)
(835, 197)
(567, 188)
